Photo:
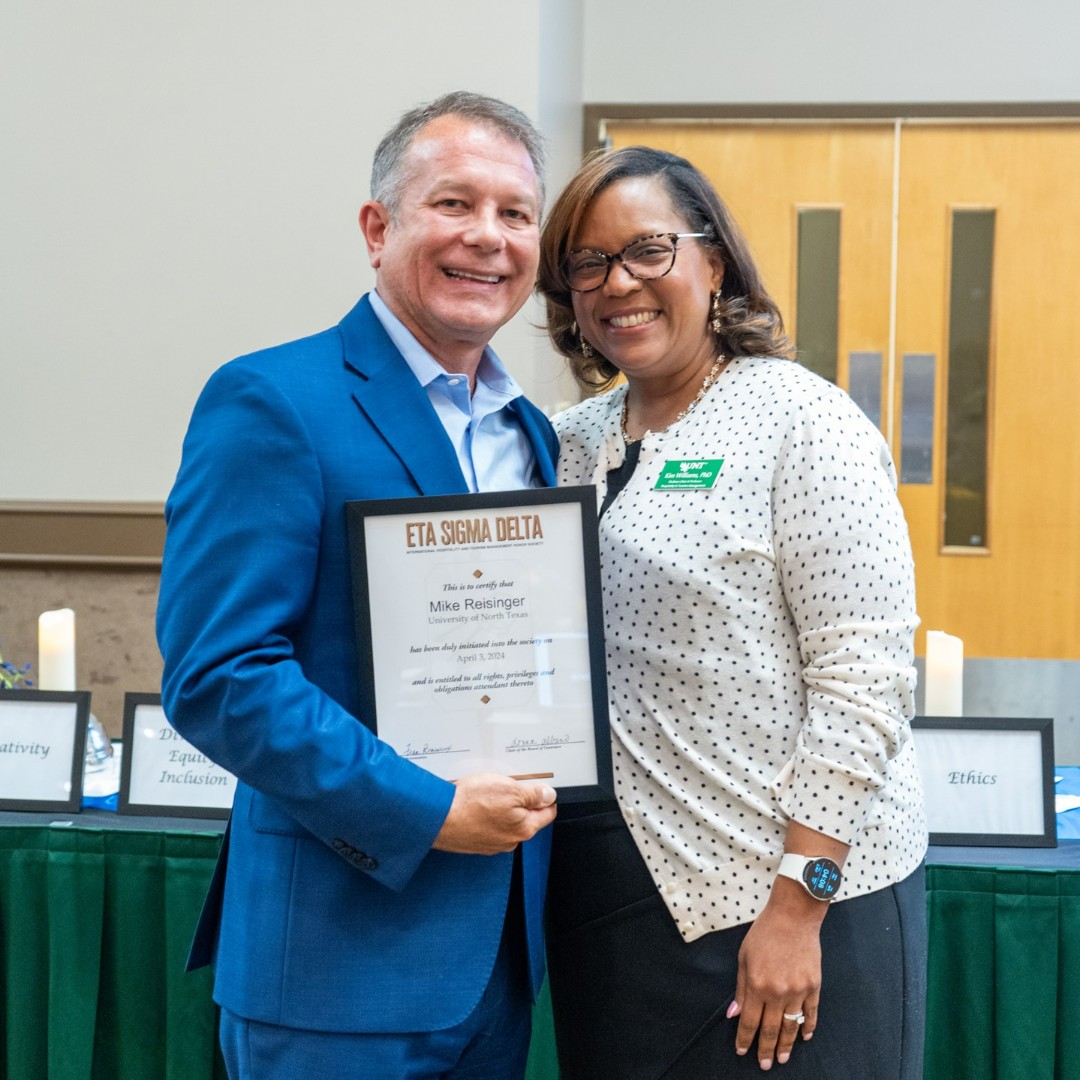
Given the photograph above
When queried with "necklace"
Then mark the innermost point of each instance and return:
(709, 380)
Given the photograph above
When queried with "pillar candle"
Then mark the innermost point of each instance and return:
(56, 650)
(944, 674)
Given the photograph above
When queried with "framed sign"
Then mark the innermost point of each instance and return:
(988, 781)
(479, 634)
(162, 774)
(42, 748)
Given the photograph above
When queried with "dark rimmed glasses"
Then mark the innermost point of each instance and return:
(646, 258)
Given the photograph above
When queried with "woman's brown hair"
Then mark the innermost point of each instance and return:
(751, 321)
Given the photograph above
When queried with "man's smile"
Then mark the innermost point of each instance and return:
(465, 275)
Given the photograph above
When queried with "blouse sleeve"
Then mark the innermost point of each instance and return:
(845, 562)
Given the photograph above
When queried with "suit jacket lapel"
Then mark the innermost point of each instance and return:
(530, 422)
(398, 406)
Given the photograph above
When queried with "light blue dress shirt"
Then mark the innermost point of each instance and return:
(492, 449)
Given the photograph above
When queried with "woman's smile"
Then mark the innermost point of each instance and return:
(636, 318)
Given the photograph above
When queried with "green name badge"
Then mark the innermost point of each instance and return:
(688, 475)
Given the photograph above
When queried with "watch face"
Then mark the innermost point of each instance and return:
(822, 878)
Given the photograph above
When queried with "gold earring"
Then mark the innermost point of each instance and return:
(716, 320)
(586, 348)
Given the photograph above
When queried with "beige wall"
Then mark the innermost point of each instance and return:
(114, 624)
(789, 51)
(182, 185)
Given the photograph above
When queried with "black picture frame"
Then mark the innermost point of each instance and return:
(125, 804)
(424, 507)
(79, 707)
(1035, 785)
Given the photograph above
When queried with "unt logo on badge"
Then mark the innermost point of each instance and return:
(689, 475)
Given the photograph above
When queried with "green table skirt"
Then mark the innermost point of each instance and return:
(94, 931)
(1004, 978)
(95, 925)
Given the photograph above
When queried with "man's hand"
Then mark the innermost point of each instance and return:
(492, 813)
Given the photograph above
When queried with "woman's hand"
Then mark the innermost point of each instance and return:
(780, 960)
(779, 972)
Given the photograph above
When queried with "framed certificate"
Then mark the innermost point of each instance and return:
(479, 634)
(988, 781)
(161, 773)
(42, 748)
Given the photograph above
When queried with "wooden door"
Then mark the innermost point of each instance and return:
(1014, 589)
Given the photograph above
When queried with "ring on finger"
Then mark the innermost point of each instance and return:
(798, 1017)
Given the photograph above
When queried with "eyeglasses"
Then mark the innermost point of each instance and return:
(647, 258)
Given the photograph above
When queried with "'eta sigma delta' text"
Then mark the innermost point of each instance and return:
(473, 530)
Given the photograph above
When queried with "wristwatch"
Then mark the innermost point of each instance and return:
(820, 876)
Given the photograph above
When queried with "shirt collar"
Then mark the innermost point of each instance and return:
(490, 371)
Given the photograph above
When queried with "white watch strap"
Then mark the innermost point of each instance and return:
(792, 865)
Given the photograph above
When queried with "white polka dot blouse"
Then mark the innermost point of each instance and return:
(759, 637)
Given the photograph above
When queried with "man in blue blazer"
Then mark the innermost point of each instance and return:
(367, 919)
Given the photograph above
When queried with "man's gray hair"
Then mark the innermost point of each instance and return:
(389, 174)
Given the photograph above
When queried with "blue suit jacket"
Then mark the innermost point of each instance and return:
(330, 910)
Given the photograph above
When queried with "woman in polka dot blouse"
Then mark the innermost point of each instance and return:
(760, 880)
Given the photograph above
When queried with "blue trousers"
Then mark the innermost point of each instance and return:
(633, 1001)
